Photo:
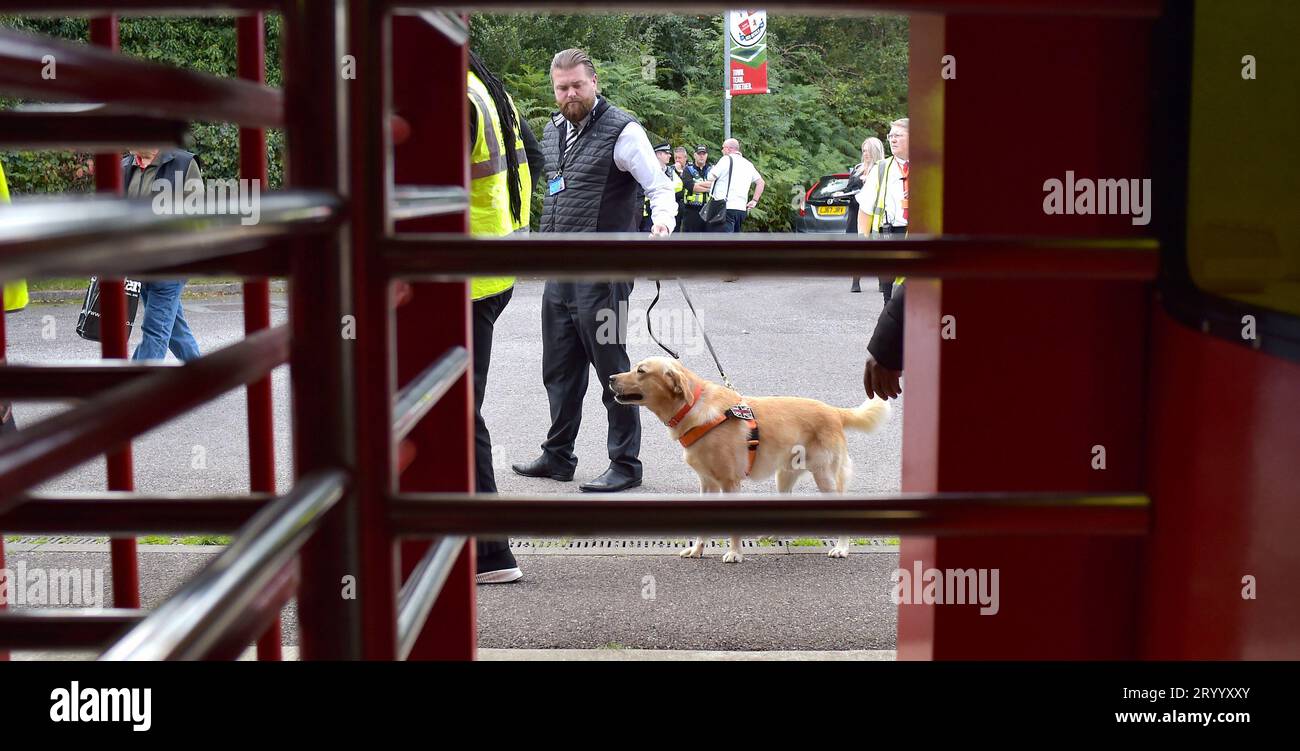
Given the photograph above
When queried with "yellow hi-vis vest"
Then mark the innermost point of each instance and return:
(15, 292)
(678, 186)
(693, 197)
(489, 191)
(878, 212)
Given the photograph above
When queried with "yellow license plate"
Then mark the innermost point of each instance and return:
(831, 210)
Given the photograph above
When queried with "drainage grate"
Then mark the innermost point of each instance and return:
(674, 545)
(54, 540)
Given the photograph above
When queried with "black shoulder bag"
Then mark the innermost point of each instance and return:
(714, 213)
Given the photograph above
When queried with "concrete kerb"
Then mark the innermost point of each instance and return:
(191, 291)
(519, 546)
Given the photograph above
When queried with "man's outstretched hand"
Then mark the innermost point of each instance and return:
(881, 382)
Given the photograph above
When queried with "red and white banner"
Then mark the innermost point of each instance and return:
(747, 66)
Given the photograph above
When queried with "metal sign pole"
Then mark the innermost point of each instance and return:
(726, 75)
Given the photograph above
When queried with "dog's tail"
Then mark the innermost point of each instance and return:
(870, 415)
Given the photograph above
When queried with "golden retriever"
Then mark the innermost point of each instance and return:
(796, 435)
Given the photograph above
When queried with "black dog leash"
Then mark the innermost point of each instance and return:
(725, 380)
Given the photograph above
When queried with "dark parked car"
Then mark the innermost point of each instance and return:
(825, 206)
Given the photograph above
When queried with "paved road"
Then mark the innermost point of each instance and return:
(798, 337)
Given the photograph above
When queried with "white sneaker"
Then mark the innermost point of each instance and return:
(500, 576)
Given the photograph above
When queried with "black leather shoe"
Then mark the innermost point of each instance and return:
(539, 467)
(611, 481)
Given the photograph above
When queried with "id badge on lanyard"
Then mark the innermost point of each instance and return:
(555, 184)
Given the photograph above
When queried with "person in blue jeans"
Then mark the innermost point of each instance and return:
(144, 172)
(164, 326)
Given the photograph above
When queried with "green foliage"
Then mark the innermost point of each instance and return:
(834, 82)
(201, 44)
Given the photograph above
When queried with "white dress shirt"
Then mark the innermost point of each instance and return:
(743, 174)
(634, 154)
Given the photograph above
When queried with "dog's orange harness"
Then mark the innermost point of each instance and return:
(740, 411)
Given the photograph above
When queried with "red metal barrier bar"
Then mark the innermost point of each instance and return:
(421, 590)
(90, 74)
(74, 380)
(413, 202)
(442, 444)
(251, 66)
(136, 7)
(273, 260)
(229, 597)
(943, 514)
(72, 236)
(43, 628)
(260, 616)
(416, 398)
(451, 25)
(47, 448)
(373, 357)
(324, 408)
(1105, 8)
(4, 654)
(594, 256)
(91, 131)
(130, 514)
(114, 333)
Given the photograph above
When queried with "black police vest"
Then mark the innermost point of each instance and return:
(597, 195)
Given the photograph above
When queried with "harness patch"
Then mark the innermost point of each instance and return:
(742, 411)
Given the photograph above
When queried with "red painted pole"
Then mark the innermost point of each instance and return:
(372, 352)
(114, 333)
(4, 653)
(443, 443)
(331, 597)
(251, 66)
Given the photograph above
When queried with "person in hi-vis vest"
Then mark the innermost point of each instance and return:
(502, 148)
(15, 299)
(883, 200)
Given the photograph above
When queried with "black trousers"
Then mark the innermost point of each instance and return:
(484, 314)
(887, 283)
(689, 219)
(584, 325)
(887, 288)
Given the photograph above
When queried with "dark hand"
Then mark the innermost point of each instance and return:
(881, 382)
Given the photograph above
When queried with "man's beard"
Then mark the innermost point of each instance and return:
(574, 112)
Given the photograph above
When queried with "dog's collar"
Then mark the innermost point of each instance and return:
(686, 408)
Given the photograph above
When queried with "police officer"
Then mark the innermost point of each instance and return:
(696, 190)
(664, 152)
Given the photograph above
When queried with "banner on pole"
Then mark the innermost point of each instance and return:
(748, 59)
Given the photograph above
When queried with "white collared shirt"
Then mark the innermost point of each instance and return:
(634, 154)
(743, 174)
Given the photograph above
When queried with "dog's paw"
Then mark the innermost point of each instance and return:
(732, 556)
(838, 552)
(692, 552)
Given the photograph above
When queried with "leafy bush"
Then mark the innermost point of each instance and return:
(834, 82)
